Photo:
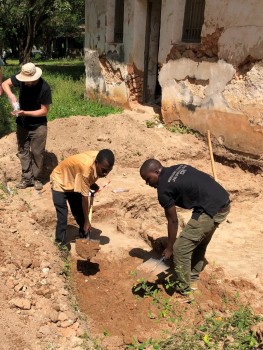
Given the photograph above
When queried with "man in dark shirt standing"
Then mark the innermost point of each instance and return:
(31, 118)
(186, 187)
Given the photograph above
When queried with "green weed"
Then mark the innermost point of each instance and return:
(147, 289)
(181, 129)
(217, 332)
(105, 332)
(66, 270)
(150, 123)
(230, 330)
(133, 273)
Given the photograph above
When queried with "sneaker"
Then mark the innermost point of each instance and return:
(194, 286)
(24, 184)
(60, 245)
(38, 185)
(186, 298)
(58, 242)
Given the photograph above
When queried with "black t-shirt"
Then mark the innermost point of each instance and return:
(31, 98)
(189, 188)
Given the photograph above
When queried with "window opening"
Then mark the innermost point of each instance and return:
(119, 17)
(193, 20)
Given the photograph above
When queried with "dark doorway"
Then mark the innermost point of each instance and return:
(151, 85)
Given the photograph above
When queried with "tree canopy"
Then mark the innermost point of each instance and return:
(26, 23)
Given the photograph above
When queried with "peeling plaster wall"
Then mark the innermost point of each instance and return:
(242, 23)
(95, 24)
(115, 70)
(218, 74)
(171, 26)
(216, 84)
(201, 109)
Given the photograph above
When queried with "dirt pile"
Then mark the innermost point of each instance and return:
(37, 302)
(35, 308)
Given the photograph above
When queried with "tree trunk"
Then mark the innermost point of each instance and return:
(30, 24)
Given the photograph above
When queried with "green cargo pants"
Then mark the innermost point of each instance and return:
(31, 149)
(190, 247)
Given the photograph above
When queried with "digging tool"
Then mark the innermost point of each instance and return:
(88, 233)
(211, 154)
(153, 265)
(87, 247)
(92, 194)
(101, 188)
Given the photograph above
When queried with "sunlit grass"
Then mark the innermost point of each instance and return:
(67, 81)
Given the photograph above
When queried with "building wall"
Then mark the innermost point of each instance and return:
(114, 70)
(242, 28)
(219, 78)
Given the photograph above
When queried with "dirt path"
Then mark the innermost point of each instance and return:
(34, 296)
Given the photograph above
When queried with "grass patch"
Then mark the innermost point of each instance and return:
(181, 129)
(67, 81)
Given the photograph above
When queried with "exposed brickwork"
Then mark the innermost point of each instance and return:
(111, 75)
(207, 50)
(135, 83)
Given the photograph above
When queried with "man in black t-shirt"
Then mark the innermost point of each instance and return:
(186, 187)
(31, 118)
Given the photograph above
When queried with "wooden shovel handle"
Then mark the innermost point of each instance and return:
(91, 208)
(211, 154)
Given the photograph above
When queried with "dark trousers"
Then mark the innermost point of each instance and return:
(31, 147)
(190, 247)
(60, 200)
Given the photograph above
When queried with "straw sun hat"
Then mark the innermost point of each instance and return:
(29, 72)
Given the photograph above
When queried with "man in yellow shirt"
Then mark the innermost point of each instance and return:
(71, 182)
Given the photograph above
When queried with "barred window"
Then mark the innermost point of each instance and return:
(119, 17)
(193, 20)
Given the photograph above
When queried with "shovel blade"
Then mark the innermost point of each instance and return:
(87, 249)
(155, 266)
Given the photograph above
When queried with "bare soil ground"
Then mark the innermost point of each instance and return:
(41, 309)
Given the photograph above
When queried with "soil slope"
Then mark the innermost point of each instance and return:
(41, 309)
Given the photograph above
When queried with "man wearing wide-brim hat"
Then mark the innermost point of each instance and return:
(31, 118)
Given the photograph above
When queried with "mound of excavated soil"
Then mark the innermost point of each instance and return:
(39, 310)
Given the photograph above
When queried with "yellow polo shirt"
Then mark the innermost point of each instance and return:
(75, 173)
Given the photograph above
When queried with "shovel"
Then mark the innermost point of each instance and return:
(153, 265)
(87, 248)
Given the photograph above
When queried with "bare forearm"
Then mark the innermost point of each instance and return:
(1, 78)
(6, 85)
(42, 112)
(172, 232)
(172, 221)
(85, 208)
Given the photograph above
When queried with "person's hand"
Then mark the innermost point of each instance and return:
(167, 253)
(87, 227)
(20, 113)
(94, 187)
